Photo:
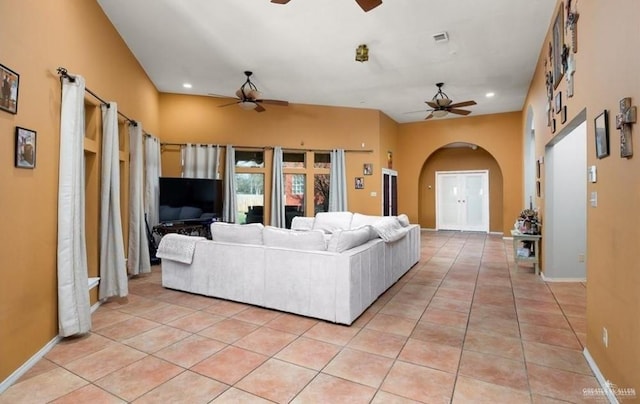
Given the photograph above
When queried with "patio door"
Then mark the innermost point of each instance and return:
(462, 200)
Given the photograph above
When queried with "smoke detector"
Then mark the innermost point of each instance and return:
(441, 37)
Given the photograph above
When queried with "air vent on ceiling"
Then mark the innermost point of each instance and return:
(441, 37)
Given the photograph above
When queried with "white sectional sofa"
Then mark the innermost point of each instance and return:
(330, 267)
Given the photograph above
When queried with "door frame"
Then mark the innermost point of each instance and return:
(486, 208)
(390, 173)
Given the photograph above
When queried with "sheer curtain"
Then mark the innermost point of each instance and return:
(113, 270)
(200, 161)
(152, 174)
(229, 206)
(277, 190)
(338, 182)
(74, 312)
(138, 260)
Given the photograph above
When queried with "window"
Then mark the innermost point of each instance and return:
(293, 160)
(250, 173)
(297, 184)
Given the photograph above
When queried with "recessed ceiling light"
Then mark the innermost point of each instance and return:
(489, 95)
(187, 85)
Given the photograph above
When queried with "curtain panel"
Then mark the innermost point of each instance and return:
(338, 182)
(200, 161)
(74, 311)
(138, 260)
(113, 270)
(277, 190)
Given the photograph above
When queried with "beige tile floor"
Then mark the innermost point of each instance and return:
(460, 327)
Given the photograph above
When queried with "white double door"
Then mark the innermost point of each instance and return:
(462, 200)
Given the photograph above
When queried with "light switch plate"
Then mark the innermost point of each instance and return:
(592, 174)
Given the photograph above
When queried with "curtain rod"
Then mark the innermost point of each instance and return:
(270, 147)
(65, 74)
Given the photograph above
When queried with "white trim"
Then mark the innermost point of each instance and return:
(95, 306)
(461, 223)
(599, 376)
(93, 282)
(544, 278)
(17, 374)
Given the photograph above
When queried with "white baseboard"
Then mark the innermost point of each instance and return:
(604, 384)
(28, 364)
(546, 279)
(9, 381)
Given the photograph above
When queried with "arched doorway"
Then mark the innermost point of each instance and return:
(459, 157)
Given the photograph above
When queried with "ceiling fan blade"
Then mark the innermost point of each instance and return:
(259, 108)
(368, 5)
(459, 111)
(462, 104)
(274, 102)
(226, 105)
(428, 117)
(433, 104)
(280, 1)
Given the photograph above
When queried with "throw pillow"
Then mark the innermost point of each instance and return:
(329, 222)
(237, 233)
(343, 240)
(297, 240)
(404, 220)
(302, 223)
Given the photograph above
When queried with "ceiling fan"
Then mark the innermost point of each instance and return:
(250, 98)
(442, 105)
(366, 5)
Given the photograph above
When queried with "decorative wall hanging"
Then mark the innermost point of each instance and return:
(572, 25)
(553, 125)
(558, 42)
(571, 68)
(601, 127)
(359, 184)
(563, 114)
(367, 169)
(624, 119)
(25, 153)
(9, 91)
(558, 102)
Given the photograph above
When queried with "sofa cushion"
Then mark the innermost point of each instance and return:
(329, 222)
(237, 233)
(343, 240)
(168, 213)
(389, 229)
(298, 240)
(360, 220)
(302, 223)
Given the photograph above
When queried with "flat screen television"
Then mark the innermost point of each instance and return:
(190, 199)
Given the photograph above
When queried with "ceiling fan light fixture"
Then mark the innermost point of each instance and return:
(443, 102)
(247, 105)
(439, 113)
(362, 53)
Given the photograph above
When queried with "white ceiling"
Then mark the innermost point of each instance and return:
(303, 52)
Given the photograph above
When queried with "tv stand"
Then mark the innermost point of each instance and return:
(192, 227)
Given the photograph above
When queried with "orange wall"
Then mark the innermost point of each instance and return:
(39, 37)
(607, 69)
(197, 119)
(453, 159)
(500, 135)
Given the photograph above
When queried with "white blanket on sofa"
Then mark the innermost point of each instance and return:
(178, 247)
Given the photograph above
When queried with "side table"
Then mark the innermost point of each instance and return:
(524, 254)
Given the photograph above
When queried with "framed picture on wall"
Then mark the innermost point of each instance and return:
(9, 92)
(557, 46)
(367, 169)
(25, 153)
(601, 129)
(359, 184)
